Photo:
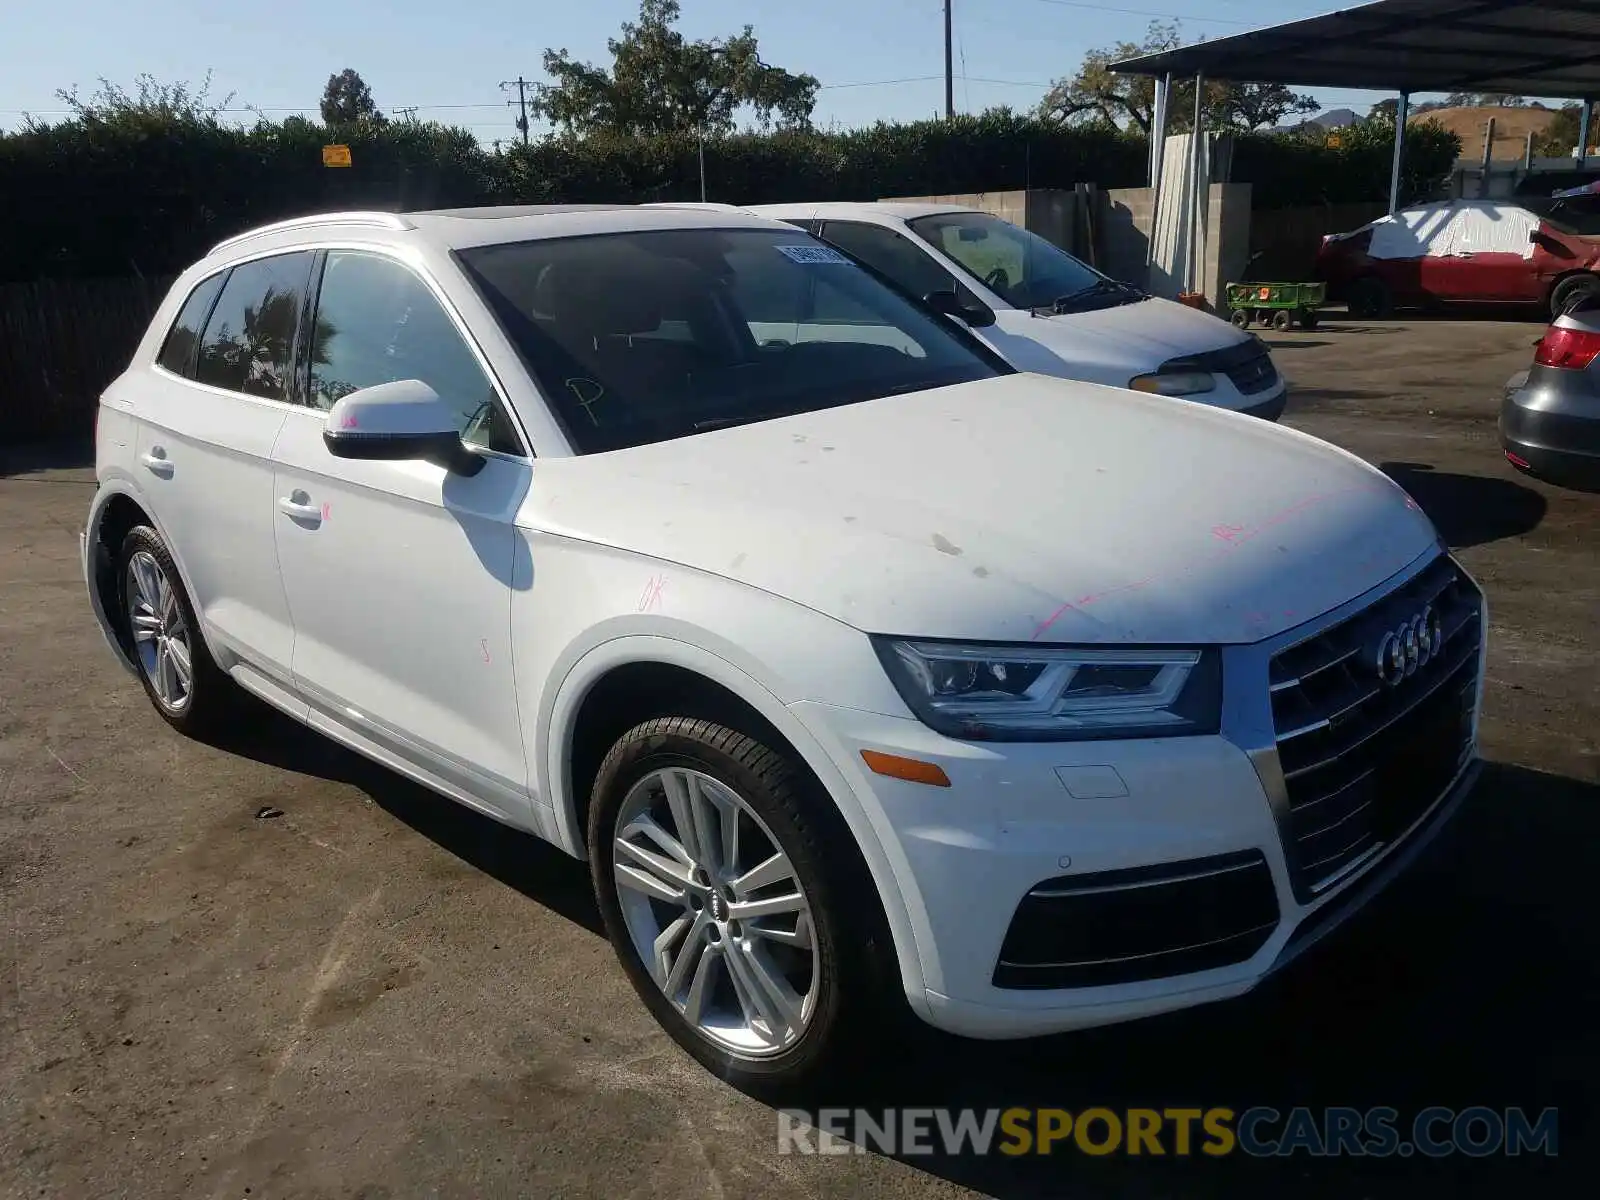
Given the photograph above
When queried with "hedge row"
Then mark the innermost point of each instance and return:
(143, 196)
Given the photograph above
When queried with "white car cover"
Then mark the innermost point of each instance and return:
(1451, 228)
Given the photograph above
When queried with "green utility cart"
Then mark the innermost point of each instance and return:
(1277, 304)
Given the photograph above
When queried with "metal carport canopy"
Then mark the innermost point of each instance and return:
(1548, 48)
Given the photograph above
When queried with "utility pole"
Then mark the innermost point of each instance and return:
(949, 77)
(521, 101)
(407, 114)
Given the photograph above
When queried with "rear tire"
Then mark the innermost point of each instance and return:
(1370, 299)
(1308, 318)
(1572, 291)
(770, 999)
(169, 652)
(1282, 320)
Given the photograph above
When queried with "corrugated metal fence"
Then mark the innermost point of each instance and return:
(61, 342)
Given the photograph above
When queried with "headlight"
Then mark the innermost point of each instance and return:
(1032, 693)
(1175, 383)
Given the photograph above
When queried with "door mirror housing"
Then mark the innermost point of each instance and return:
(974, 311)
(395, 422)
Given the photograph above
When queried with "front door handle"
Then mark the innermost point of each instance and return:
(157, 462)
(298, 505)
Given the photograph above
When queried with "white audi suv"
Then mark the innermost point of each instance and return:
(866, 672)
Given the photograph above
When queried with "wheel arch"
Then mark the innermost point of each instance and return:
(585, 691)
(116, 509)
(1574, 273)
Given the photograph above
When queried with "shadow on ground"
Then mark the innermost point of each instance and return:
(1469, 510)
(519, 860)
(1446, 990)
(1297, 344)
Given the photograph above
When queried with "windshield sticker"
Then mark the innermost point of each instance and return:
(813, 254)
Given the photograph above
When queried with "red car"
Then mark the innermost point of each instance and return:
(1531, 251)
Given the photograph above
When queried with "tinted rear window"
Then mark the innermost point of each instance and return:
(642, 337)
(177, 352)
(249, 341)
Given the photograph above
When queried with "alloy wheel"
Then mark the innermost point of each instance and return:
(716, 912)
(161, 636)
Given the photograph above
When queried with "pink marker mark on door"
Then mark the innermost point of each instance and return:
(651, 598)
(327, 510)
(348, 421)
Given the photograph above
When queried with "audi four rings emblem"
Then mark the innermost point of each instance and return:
(1401, 651)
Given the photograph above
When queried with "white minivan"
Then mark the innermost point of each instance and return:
(1044, 310)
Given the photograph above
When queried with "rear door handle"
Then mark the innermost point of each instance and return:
(157, 462)
(298, 505)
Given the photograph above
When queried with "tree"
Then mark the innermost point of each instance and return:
(1255, 105)
(1484, 100)
(659, 83)
(151, 104)
(1096, 95)
(347, 100)
(1384, 110)
(1561, 136)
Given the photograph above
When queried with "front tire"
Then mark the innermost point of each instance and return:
(1370, 299)
(752, 945)
(179, 675)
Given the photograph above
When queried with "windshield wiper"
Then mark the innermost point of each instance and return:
(1100, 287)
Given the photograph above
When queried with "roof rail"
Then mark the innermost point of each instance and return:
(383, 220)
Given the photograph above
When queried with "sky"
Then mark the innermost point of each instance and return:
(877, 59)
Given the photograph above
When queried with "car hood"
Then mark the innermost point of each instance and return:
(1108, 345)
(1012, 509)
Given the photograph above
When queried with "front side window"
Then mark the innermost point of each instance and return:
(642, 337)
(177, 352)
(1020, 267)
(377, 322)
(248, 344)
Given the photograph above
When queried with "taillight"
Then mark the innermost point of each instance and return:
(1569, 349)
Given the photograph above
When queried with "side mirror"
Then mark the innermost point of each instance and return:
(396, 422)
(975, 312)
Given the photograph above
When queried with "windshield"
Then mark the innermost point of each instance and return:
(1020, 267)
(642, 337)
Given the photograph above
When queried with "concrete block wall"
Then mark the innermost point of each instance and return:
(1127, 217)
(1128, 222)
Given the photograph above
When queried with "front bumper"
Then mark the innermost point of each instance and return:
(1064, 885)
(1271, 409)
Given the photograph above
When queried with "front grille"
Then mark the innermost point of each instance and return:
(1256, 375)
(1248, 365)
(1112, 927)
(1363, 760)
